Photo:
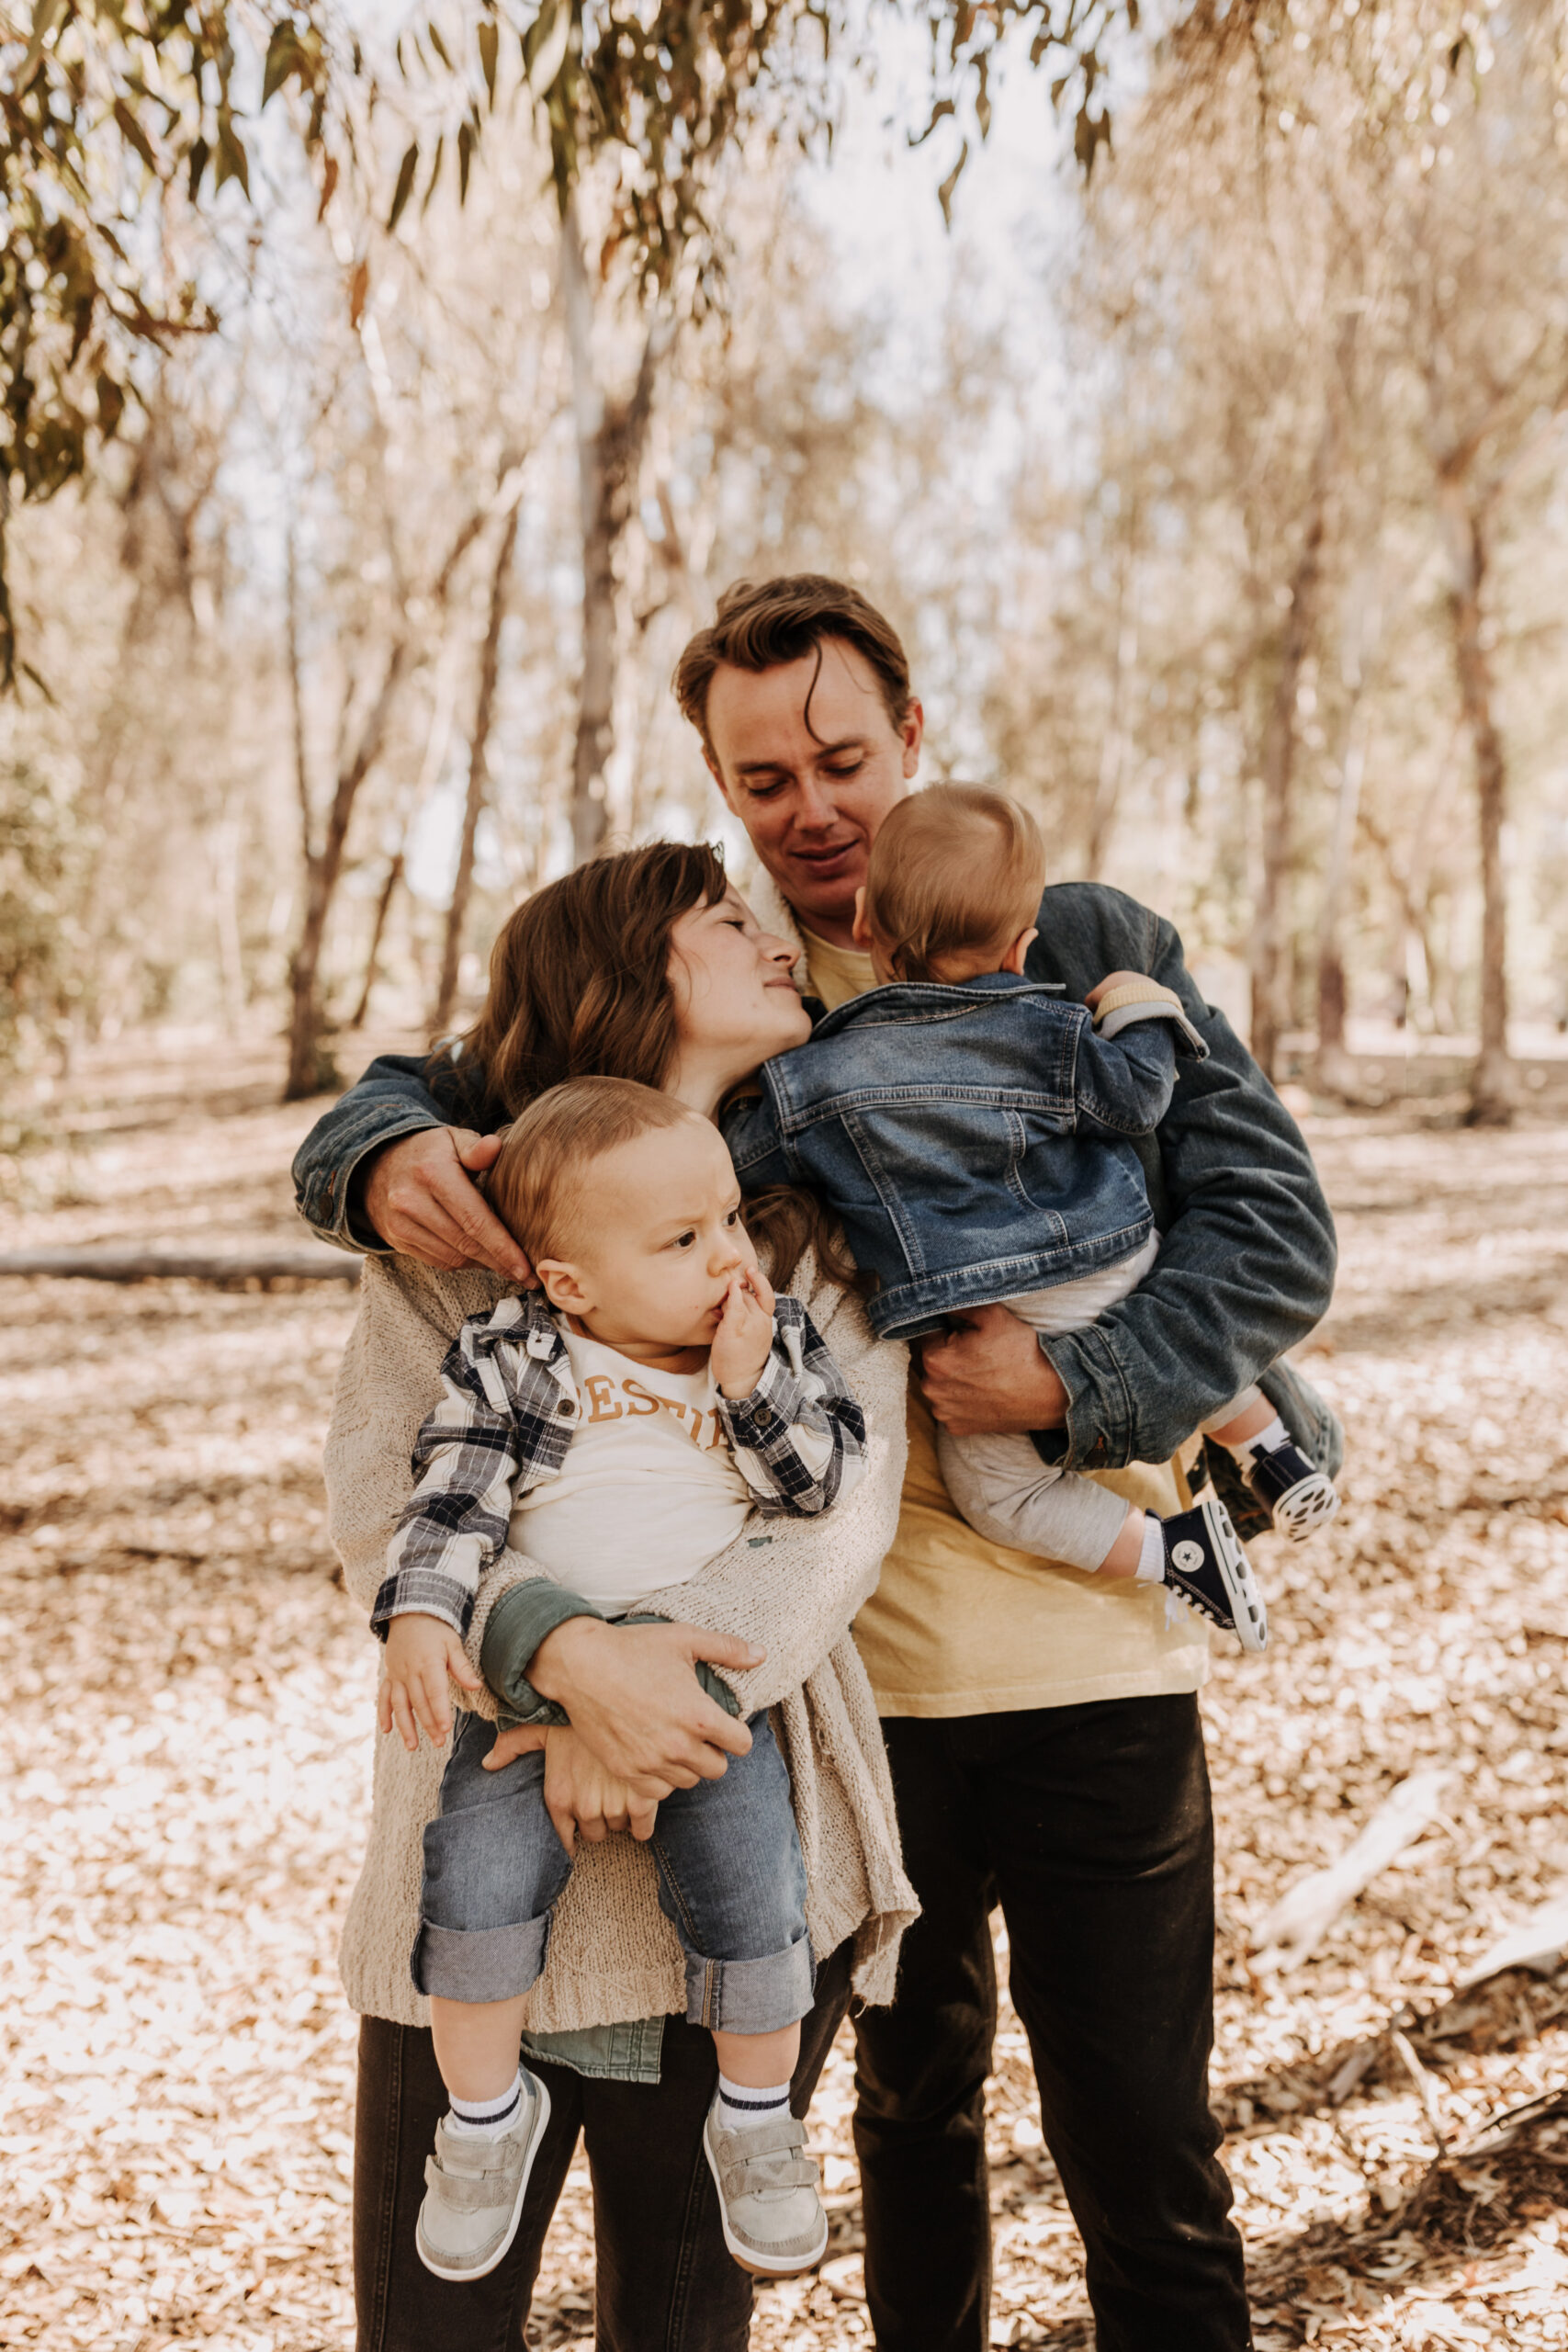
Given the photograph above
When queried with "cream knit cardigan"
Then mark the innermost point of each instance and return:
(612, 1954)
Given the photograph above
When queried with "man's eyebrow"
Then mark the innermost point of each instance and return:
(775, 768)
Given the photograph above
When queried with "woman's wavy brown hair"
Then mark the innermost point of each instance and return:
(580, 988)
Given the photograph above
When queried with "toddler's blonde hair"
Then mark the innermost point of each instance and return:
(536, 1186)
(955, 873)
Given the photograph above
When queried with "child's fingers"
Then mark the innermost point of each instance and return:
(384, 1707)
(431, 1704)
(760, 1289)
(458, 1668)
(402, 1716)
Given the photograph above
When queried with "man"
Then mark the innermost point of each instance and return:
(1042, 1729)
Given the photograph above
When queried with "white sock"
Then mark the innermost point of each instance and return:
(1262, 1441)
(741, 2107)
(486, 2119)
(1151, 1559)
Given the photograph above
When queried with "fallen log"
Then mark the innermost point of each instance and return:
(186, 1265)
(1302, 1918)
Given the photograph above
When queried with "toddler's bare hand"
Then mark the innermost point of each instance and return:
(422, 1652)
(745, 1334)
(1118, 980)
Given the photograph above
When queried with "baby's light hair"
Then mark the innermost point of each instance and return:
(955, 873)
(536, 1186)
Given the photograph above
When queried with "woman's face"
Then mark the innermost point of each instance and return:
(735, 1002)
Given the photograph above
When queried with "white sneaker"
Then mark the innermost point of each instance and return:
(474, 2191)
(773, 2221)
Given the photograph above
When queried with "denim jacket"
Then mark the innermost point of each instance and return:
(975, 1139)
(1245, 1266)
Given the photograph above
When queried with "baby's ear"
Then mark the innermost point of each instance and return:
(1013, 960)
(860, 930)
(563, 1285)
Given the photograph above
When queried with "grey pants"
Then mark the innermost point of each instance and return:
(1006, 1492)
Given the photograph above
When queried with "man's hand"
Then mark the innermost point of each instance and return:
(420, 1653)
(990, 1376)
(745, 1334)
(418, 1194)
(633, 1696)
(580, 1795)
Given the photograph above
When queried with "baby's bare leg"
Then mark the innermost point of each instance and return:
(476, 2045)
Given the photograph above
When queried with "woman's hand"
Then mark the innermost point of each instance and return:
(422, 1652)
(633, 1696)
(580, 1795)
(745, 1334)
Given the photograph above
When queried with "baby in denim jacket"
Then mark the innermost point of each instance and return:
(976, 1133)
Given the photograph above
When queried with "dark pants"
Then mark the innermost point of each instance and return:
(666, 2281)
(1092, 1825)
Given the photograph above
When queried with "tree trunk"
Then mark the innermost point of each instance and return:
(610, 440)
(1492, 1094)
(383, 909)
(308, 1068)
(479, 776)
(1271, 942)
(1334, 1067)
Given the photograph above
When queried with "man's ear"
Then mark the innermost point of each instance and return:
(1013, 960)
(564, 1286)
(913, 732)
(859, 931)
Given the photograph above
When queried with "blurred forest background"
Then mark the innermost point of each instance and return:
(385, 394)
(370, 455)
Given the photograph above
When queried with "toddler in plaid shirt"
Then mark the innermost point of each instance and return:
(619, 1429)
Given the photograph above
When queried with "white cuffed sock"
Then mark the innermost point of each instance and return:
(1151, 1559)
(741, 2107)
(1262, 1441)
(486, 2119)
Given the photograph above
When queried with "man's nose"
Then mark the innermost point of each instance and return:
(815, 811)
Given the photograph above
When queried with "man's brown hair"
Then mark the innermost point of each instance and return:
(761, 625)
(536, 1186)
(955, 873)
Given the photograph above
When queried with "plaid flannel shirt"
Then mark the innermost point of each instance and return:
(509, 1407)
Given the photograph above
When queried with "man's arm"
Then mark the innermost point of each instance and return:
(389, 1168)
(1246, 1268)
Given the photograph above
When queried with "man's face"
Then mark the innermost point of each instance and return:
(811, 796)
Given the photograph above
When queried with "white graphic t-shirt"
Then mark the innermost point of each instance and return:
(649, 1491)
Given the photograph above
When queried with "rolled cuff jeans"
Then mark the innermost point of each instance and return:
(731, 1880)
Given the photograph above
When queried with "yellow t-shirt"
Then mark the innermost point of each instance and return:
(962, 1626)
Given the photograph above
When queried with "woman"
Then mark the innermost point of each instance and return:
(648, 966)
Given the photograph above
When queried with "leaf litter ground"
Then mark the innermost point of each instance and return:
(189, 1732)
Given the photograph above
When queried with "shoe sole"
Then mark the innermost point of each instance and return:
(1248, 1609)
(1306, 1507)
(747, 2256)
(503, 2247)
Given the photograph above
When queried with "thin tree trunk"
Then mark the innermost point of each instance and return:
(478, 776)
(1491, 1094)
(1113, 751)
(307, 1070)
(383, 909)
(1333, 1066)
(610, 440)
(1270, 944)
